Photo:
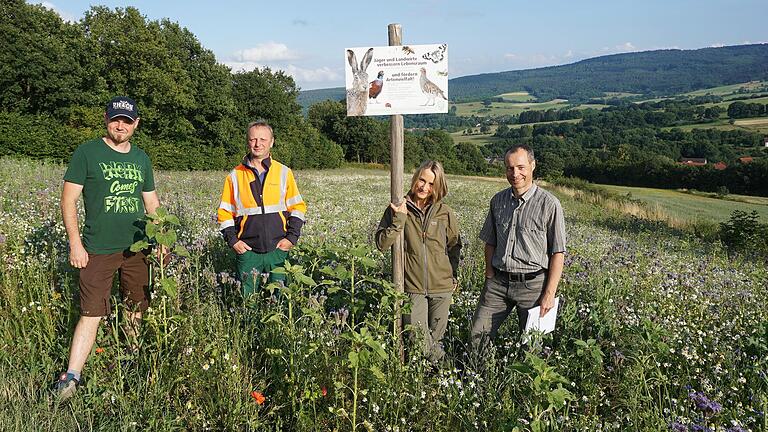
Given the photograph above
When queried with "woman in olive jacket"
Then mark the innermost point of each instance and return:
(432, 251)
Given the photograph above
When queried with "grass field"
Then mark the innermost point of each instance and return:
(752, 122)
(725, 104)
(657, 329)
(505, 108)
(477, 139)
(728, 89)
(759, 125)
(691, 207)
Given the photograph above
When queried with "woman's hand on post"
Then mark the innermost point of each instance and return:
(399, 208)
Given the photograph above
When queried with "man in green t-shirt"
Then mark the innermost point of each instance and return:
(118, 188)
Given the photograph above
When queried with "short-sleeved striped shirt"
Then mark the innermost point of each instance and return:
(525, 231)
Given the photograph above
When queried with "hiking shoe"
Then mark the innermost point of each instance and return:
(65, 387)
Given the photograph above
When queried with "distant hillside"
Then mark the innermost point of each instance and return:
(309, 97)
(653, 73)
(663, 72)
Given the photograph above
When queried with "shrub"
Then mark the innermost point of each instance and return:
(743, 233)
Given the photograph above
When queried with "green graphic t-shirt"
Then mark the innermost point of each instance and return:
(112, 186)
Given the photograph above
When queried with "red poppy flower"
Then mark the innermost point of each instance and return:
(258, 397)
(99, 350)
(324, 391)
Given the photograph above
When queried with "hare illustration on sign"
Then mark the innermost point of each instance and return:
(357, 95)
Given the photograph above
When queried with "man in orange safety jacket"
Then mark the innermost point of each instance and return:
(261, 211)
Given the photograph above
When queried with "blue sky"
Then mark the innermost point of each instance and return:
(307, 39)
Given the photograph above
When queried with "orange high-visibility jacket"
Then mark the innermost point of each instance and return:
(261, 215)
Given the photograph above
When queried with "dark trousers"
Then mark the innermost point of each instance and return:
(499, 296)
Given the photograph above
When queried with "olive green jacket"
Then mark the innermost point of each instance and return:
(432, 246)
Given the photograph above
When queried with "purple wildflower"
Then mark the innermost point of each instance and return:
(704, 404)
(678, 427)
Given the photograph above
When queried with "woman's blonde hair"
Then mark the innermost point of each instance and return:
(439, 187)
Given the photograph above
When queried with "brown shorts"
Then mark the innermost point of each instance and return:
(96, 282)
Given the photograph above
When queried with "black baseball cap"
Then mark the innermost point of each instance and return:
(122, 106)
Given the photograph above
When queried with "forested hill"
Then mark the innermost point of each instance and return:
(652, 73)
(663, 72)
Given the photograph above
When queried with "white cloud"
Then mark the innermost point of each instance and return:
(66, 16)
(277, 56)
(322, 74)
(626, 46)
(302, 76)
(717, 45)
(569, 54)
(268, 51)
(241, 66)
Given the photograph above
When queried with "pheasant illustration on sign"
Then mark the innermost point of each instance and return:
(374, 89)
(430, 89)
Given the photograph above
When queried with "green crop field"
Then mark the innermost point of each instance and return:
(691, 207)
(656, 327)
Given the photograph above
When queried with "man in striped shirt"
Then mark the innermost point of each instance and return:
(524, 235)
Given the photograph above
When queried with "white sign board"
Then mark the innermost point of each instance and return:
(408, 79)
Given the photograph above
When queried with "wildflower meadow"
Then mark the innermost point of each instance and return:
(657, 330)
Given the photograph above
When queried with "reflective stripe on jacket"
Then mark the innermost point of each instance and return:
(261, 215)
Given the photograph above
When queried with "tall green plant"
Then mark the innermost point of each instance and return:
(161, 236)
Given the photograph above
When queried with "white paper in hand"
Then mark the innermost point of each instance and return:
(542, 325)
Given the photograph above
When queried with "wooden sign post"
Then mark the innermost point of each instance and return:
(396, 193)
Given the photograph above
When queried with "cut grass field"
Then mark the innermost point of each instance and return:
(694, 207)
(753, 122)
(517, 96)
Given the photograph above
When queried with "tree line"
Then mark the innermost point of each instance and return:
(745, 110)
(366, 139)
(628, 146)
(56, 76)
